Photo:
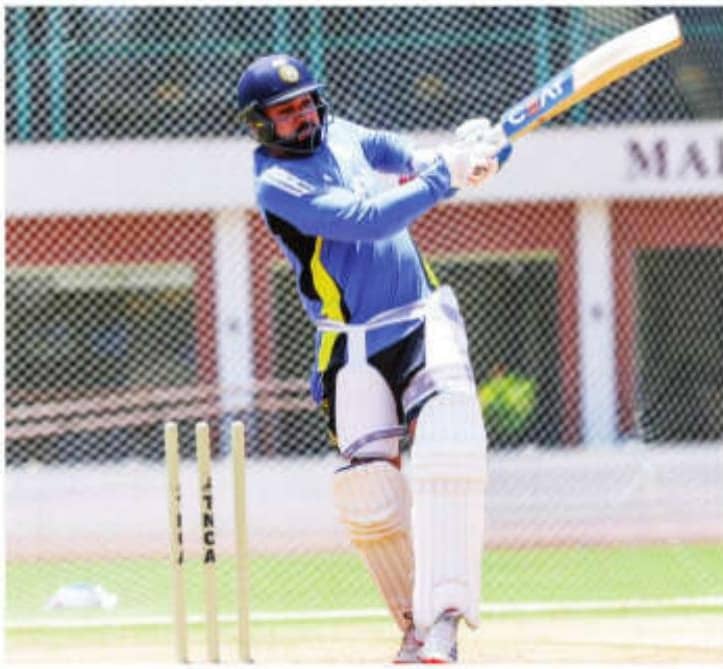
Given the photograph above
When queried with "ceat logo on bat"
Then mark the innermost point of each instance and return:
(540, 101)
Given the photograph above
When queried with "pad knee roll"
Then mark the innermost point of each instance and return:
(373, 502)
(448, 477)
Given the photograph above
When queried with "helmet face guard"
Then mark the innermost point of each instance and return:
(263, 129)
(272, 80)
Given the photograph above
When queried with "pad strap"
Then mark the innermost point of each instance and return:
(351, 451)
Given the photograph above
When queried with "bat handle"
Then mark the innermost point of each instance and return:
(498, 131)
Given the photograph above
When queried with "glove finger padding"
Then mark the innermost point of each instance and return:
(479, 130)
(502, 147)
(458, 158)
(469, 163)
(473, 130)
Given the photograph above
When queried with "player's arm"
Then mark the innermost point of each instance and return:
(386, 151)
(389, 152)
(339, 213)
(474, 157)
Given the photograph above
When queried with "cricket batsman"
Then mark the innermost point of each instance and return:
(358, 270)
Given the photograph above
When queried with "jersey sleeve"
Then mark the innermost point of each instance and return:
(386, 151)
(338, 213)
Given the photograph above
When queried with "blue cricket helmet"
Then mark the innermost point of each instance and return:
(268, 81)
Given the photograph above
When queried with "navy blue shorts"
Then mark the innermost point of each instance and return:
(397, 363)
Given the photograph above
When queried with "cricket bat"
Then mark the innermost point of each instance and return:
(601, 67)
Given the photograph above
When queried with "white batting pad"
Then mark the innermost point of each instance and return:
(446, 359)
(445, 337)
(448, 478)
(366, 414)
(373, 502)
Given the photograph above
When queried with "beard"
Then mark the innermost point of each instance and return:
(307, 138)
(305, 131)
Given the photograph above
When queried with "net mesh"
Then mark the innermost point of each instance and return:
(143, 286)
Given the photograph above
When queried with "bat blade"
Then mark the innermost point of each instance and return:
(601, 67)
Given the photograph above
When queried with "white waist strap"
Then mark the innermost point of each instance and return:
(418, 310)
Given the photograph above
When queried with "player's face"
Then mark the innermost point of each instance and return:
(295, 119)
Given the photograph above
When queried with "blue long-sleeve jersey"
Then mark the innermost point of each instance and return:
(344, 233)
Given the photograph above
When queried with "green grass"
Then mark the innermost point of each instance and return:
(339, 581)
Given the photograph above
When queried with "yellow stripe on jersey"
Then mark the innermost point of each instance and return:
(330, 295)
(431, 276)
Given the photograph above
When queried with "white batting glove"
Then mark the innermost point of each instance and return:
(469, 163)
(481, 130)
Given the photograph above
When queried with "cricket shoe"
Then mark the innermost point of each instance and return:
(440, 644)
(409, 650)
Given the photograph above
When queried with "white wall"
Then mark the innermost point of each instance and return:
(632, 161)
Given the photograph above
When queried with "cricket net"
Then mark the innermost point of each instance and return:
(142, 286)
